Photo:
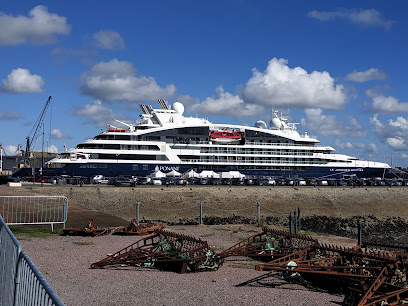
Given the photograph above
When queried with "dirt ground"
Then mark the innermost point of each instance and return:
(65, 261)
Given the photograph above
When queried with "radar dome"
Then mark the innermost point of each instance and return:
(178, 107)
(261, 124)
(275, 123)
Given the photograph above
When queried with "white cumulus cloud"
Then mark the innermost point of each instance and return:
(394, 133)
(367, 75)
(226, 104)
(9, 115)
(10, 150)
(58, 134)
(109, 40)
(117, 80)
(22, 81)
(98, 114)
(40, 27)
(348, 145)
(280, 85)
(368, 17)
(52, 149)
(329, 126)
(372, 147)
(386, 105)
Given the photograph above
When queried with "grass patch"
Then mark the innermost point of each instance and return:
(39, 232)
(222, 229)
(307, 233)
(242, 266)
(82, 243)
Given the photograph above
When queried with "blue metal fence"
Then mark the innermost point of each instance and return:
(21, 283)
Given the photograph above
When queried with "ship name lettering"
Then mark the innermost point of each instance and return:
(168, 168)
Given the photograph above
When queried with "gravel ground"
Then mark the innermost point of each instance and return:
(65, 262)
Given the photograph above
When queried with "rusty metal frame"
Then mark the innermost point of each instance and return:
(135, 228)
(89, 230)
(165, 250)
(366, 276)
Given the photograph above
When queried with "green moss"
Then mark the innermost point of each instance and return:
(82, 243)
(38, 232)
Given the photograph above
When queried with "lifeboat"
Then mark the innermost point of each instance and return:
(117, 130)
(225, 137)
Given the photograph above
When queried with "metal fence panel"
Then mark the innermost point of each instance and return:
(19, 210)
(32, 288)
(9, 250)
(21, 283)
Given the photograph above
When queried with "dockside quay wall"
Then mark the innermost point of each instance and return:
(172, 204)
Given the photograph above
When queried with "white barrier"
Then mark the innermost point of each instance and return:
(12, 184)
(20, 210)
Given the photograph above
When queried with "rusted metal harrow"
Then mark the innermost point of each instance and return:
(141, 229)
(269, 244)
(133, 228)
(373, 275)
(89, 230)
(171, 251)
(167, 251)
(365, 276)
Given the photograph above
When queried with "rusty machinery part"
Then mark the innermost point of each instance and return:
(89, 230)
(167, 251)
(268, 245)
(376, 245)
(141, 229)
(364, 276)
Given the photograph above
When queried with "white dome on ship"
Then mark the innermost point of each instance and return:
(261, 124)
(178, 107)
(275, 123)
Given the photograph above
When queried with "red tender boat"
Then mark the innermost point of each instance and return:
(116, 130)
(225, 137)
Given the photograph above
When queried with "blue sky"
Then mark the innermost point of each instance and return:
(338, 68)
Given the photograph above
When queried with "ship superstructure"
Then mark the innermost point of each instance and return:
(164, 139)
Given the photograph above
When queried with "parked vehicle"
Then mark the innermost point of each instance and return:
(248, 181)
(237, 181)
(215, 181)
(281, 181)
(341, 182)
(322, 183)
(4, 179)
(301, 183)
(124, 182)
(204, 181)
(226, 181)
(97, 179)
(144, 181)
(193, 181)
(157, 181)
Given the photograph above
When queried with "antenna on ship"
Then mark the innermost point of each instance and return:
(163, 104)
(144, 109)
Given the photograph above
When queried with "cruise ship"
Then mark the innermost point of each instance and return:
(166, 140)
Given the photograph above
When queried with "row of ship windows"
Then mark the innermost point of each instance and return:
(110, 146)
(221, 150)
(234, 159)
(118, 157)
(193, 140)
(105, 166)
(256, 151)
